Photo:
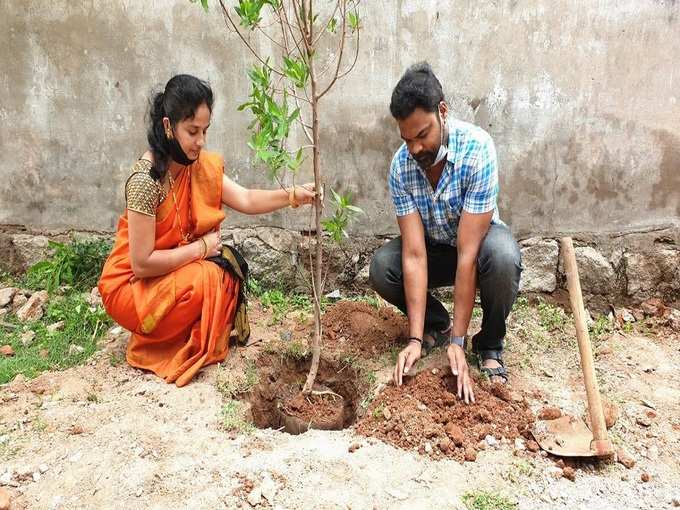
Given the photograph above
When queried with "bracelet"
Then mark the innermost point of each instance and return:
(205, 248)
(416, 339)
(291, 198)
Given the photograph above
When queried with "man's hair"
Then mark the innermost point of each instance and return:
(417, 88)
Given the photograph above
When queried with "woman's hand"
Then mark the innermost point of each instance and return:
(213, 241)
(305, 194)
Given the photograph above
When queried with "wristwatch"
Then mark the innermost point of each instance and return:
(457, 340)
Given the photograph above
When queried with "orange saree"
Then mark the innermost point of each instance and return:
(180, 321)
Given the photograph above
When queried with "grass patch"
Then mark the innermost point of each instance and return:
(484, 500)
(73, 344)
(281, 304)
(233, 419)
(552, 318)
(230, 384)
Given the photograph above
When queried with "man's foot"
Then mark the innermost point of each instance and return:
(495, 370)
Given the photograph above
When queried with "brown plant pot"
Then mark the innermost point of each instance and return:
(322, 412)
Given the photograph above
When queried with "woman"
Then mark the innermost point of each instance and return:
(156, 282)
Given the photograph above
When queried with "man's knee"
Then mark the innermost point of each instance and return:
(500, 255)
(383, 265)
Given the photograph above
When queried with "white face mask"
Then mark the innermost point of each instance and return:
(443, 149)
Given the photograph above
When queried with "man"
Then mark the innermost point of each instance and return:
(444, 184)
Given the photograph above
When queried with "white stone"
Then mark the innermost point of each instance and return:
(519, 444)
(491, 441)
(36, 476)
(255, 496)
(268, 488)
(75, 349)
(428, 448)
(595, 272)
(32, 310)
(43, 468)
(7, 295)
(57, 326)
(539, 258)
(27, 338)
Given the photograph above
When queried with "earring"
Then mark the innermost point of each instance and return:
(168, 134)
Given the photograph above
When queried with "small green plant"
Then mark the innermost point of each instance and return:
(94, 398)
(115, 359)
(39, 424)
(231, 384)
(600, 328)
(296, 350)
(337, 224)
(484, 500)
(281, 303)
(552, 318)
(379, 411)
(233, 420)
(77, 264)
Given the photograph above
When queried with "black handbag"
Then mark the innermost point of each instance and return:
(232, 261)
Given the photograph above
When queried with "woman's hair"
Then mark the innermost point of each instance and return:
(417, 88)
(181, 98)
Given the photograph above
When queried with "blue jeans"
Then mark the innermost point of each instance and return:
(499, 265)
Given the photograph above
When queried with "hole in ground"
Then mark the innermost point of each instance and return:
(281, 378)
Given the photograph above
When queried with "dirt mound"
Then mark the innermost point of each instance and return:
(426, 415)
(359, 328)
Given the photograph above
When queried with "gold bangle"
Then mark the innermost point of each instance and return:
(205, 248)
(291, 198)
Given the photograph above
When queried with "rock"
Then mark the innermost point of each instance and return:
(470, 454)
(354, 447)
(485, 416)
(569, 473)
(623, 316)
(75, 349)
(491, 441)
(139, 492)
(549, 413)
(539, 258)
(94, 298)
(27, 338)
(673, 320)
(623, 457)
(554, 472)
(361, 278)
(6, 350)
(643, 421)
(57, 326)
(611, 414)
(428, 448)
(445, 445)
(268, 488)
(652, 272)
(519, 444)
(596, 273)
(36, 476)
(30, 249)
(255, 497)
(7, 295)
(676, 502)
(645, 477)
(455, 433)
(421, 406)
(6, 477)
(32, 310)
(653, 307)
(43, 468)
(387, 414)
(435, 371)
(647, 403)
(533, 446)
(5, 499)
(18, 301)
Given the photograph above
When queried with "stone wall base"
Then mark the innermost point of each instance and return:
(619, 266)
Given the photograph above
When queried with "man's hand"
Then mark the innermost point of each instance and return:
(407, 357)
(459, 368)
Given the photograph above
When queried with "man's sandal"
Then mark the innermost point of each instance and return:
(483, 355)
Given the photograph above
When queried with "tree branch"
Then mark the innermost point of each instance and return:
(343, 36)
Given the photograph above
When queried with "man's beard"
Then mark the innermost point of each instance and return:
(425, 159)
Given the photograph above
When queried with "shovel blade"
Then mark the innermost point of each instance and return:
(567, 437)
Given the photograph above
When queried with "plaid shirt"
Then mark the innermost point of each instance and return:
(469, 182)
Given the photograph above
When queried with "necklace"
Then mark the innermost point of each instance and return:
(186, 237)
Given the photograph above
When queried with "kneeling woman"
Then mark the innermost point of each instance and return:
(156, 282)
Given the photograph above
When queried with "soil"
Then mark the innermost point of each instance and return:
(323, 412)
(280, 382)
(426, 415)
(360, 329)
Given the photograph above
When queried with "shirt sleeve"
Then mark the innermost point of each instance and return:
(482, 182)
(142, 194)
(403, 200)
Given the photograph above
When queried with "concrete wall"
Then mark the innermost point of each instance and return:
(581, 98)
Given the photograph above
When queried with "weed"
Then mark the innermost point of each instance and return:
(281, 303)
(484, 500)
(552, 318)
(94, 398)
(600, 328)
(378, 411)
(371, 300)
(39, 425)
(296, 350)
(77, 265)
(115, 359)
(520, 471)
(233, 420)
(230, 384)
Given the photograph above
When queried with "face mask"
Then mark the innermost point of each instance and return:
(443, 149)
(177, 153)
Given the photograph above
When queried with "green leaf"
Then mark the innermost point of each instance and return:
(332, 25)
(353, 21)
